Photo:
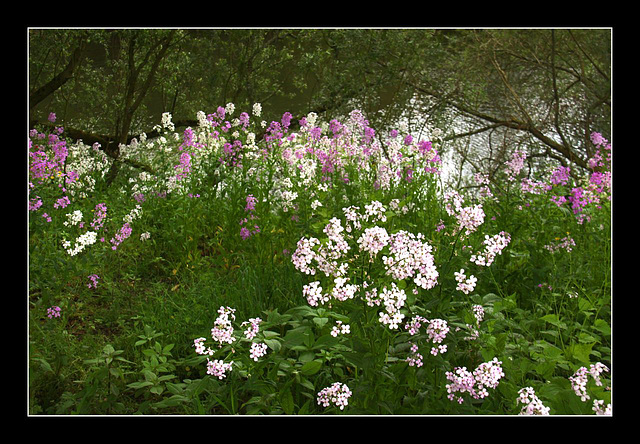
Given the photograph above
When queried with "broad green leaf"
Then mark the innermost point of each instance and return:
(286, 401)
(311, 367)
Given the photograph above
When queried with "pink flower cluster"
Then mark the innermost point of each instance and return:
(566, 243)
(415, 358)
(218, 368)
(313, 293)
(436, 330)
(515, 165)
(581, 376)
(486, 375)
(493, 247)
(257, 350)
(337, 394)
(124, 233)
(94, 280)
(373, 240)
(252, 330)
(100, 213)
(305, 255)
(245, 232)
(53, 312)
(469, 218)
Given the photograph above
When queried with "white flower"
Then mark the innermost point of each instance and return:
(315, 204)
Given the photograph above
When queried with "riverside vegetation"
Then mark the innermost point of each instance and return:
(240, 267)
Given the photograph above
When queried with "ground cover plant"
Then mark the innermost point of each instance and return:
(242, 267)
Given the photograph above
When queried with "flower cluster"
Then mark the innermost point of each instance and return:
(410, 257)
(337, 394)
(94, 280)
(257, 350)
(124, 232)
(84, 240)
(100, 213)
(73, 218)
(493, 247)
(415, 358)
(436, 330)
(200, 347)
(254, 326)
(531, 404)
(340, 329)
(313, 293)
(515, 165)
(393, 300)
(469, 218)
(566, 243)
(53, 312)
(218, 368)
(465, 285)
(581, 376)
(486, 375)
(373, 240)
(222, 331)
(600, 409)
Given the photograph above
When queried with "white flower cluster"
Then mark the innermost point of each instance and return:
(84, 240)
(83, 163)
(410, 257)
(493, 247)
(393, 301)
(135, 213)
(373, 240)
(222, 330)
(73, 218)
(531, 404)
(465, 285)
(167, 122)
(340, 329)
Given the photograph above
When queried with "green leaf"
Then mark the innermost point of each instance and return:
(138, 385)
(602, 326)
(273, 344)
(581, 352)
(326, 341)
(286, 401)
(296, 337)
(311, 367)
(553, 320)
(320, 322)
